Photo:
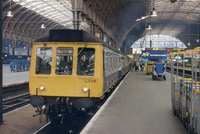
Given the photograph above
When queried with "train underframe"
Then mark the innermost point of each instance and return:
(58, 108)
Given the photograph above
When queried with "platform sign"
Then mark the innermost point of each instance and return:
(197, 54)
(188, 55)
(154, 54)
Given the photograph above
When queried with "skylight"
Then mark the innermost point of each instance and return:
(158, 41)
(59, 11)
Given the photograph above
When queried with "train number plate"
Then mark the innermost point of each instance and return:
(90, 81)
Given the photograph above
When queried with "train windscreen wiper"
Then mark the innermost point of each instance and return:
(81, 50)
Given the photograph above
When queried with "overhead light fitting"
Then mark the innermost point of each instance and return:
(189, 36)
(154, 13)
(197, 40)
(43, 26)
(138, 20)
(149, 27)
(9, 14)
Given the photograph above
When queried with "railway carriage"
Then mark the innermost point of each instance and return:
(71, 70)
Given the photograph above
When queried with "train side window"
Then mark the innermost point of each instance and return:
(85, 61)
(64, 60)
(43, 60)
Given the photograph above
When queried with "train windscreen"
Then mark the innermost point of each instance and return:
(85, 61)
(43, 60)
(64, 60)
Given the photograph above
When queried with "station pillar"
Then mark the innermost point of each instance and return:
(1, 89)
(13, 48)
(76, 20)
(102, 36)
(93, 29)
(100, 33)
(28, 48)
(76, 9)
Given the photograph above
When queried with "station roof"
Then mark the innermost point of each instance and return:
(123, 20)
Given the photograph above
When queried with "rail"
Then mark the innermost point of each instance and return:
(15, 102)
(15, 96)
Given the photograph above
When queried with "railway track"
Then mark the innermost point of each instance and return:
(15, 102)
(15, 88)
(15, 96)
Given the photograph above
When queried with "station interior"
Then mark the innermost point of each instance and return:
(144, 101)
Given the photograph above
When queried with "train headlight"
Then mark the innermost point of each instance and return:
(41, 87)
(85, 89)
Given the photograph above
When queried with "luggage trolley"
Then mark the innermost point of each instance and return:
(175, 85)
(148, 67)
(194, 124)
(172, 84)
(185, 89)
(158, 71)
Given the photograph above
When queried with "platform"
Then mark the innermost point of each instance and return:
(10, 78)
(21, 121)
(139, 106)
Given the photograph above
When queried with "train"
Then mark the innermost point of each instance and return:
(71, 70)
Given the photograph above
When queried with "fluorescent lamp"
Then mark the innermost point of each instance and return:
(154, 13)
(149, 27)
(9, 14)
(43, 26)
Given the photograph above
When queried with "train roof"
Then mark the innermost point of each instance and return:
(69, 35)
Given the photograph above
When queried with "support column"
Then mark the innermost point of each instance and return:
(76, 9)
(94, 29)
(102, 36)
(1, 89)
(76, 20)
(28, 48)
(107, 38)
(13, 48)
(91, 28)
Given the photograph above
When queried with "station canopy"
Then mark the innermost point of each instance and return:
(124, 21)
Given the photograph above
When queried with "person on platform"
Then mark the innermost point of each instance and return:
(137, 65)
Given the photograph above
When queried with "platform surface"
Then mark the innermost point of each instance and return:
(139, 106)
(10, 78)
(21, 121)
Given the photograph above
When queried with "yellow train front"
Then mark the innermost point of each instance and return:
(70, 70)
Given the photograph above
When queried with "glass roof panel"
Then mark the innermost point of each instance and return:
(158, 41)
(58, 11)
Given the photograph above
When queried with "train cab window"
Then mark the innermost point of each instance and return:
(85, 61)
(43, 60)
(64, 60)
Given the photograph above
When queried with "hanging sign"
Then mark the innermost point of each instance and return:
(154, 54)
